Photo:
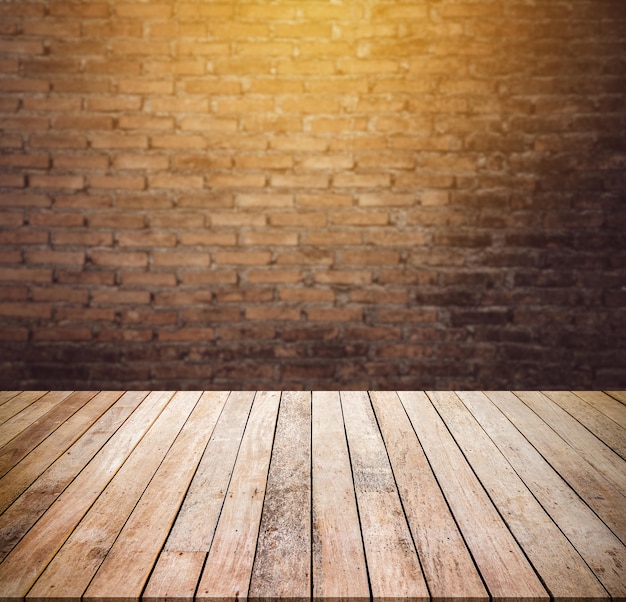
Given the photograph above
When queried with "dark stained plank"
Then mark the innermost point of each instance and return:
(563, 571)
(178, 568)
(31, 555)
(597, 491)
(339, 568)
(594, 541)
(392, 562)
(228, 567)
(282, 565)
(503, 565)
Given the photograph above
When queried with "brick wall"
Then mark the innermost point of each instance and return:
(292, 193)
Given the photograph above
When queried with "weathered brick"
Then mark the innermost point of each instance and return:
(361, 195)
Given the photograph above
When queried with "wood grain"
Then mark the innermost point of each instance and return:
(228, 567)
(282, 565)
(594, 541)
(392, 562)
(339, 568)
(502, 563)
(333, 496)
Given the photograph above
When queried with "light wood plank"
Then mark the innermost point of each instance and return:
(32, 436)
(17, 423)
(501, 562)
(595, 542)
(36, 549)
(563, 571)
(77, 561)
(596, 453)
(392, 561)
(135, 551)
(610, 407)
(7, 395)
(619, 395)
(448, 566)
(18, 403)
(25, 511)
(178, 569)
(601, 496)
(282, 565)
(175, 571)
(18, 479)
(600, 425)
(229, 565)
(339, 568)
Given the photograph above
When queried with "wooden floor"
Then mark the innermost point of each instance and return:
(357, 495)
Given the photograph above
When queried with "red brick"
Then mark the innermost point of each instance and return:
(146, 239)
(183, 259)
(56, 257)
(25, 310)
(243, 258)
(25, 275)
(71, 182)
(273, 276)
(119, 259)
(114, 296)
(117, 182)
(12, 181)
(206, 277)
(334, 314)
(273, 313)
(185, 335)
(147, 279)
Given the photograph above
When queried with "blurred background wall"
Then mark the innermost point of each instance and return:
(312, 194)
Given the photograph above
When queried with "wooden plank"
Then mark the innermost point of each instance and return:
(7, 395)
(32, 436)
(18, 479)
(36, 549)
(610, 407)
(339, 568)
(17, 423)
(78, 559)
(178, 569)
(282, 565)
(25, 511)
(595, 542)
(601, 496)
(448, 566)
(600, 425)
(564, 573)
(502, 564)
(392, 561)
(619, 395)
(18, 403)
(135, 551)
(229, 565)
(602, 458)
